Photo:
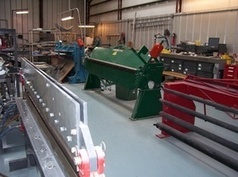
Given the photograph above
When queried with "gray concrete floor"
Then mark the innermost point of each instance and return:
(133, 150)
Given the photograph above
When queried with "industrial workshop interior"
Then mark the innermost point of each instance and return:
(119, 88)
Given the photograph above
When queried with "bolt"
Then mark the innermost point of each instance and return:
(50, 165)
(73, 132)
(35, 92)
(63, 129)
(47, 85)
(56, 121)
(77, 160)
(28, 82)
(73, 150)
(47, 109)
(69, 138)
(40, 100)
(43, 104)
(51, 114)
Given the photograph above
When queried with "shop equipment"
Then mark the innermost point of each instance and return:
(74, 51)
(179, 115)
(129, 70)
(59, 137)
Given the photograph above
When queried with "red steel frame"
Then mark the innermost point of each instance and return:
(222, 91)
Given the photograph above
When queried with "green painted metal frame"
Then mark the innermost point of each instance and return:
(132, 70)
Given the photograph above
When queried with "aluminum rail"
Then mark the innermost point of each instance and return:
(64, 114)
(49, 163)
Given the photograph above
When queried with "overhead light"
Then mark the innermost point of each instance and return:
(67, 18)
(22, 12)
(86, 26)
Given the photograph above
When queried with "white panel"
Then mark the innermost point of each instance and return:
(126, 3)
(3, 13)
(151, 10)
(110, 5)
(202, 5)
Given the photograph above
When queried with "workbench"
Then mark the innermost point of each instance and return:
(208, 67)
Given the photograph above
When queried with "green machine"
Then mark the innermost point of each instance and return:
(130, 71)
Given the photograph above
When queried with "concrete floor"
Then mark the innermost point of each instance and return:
(133, 150)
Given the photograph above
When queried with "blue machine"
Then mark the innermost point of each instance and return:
(77, 52)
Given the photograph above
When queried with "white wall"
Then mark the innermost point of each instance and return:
(156, 8)
(188, 26)
(150, 10)
(204, 5)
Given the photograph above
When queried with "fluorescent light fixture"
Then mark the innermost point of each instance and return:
(86, 26)
(22, 12)
(67, 18)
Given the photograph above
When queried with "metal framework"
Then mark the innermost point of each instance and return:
(179, 113)
(63, 116)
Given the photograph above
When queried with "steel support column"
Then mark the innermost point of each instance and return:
(119, 12)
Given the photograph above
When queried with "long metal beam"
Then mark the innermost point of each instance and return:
(202, 116)
(64, 114)
(200, 131)
(201, 100)
(129, 7)
(215, 154)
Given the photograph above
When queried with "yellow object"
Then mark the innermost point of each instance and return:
(227, 58)
(197, 43)
(166, 51)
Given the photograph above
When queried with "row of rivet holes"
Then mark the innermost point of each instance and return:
(62, 129)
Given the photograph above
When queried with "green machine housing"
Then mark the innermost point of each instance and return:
(129, 69)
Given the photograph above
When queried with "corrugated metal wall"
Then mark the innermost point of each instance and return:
(192, 24)
(201, 26)
(144, 31)
(24, 23)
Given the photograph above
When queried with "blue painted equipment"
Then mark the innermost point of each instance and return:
(77, 53)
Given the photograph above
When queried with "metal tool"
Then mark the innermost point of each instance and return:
(55, 121)
(75, 51)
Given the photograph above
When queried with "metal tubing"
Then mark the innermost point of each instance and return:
(208, 102)
(200, 131)
(215, 154)
(202, 116)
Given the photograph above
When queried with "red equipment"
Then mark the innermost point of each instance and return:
(179, 112)
(156, 50)
(220, 91)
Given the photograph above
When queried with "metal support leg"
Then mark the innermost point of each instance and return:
(147, 104)
(92, 82)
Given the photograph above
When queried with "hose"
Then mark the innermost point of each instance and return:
(8, 130)
(6, 115)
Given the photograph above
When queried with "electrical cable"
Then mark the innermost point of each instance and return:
(6, 115)
(11, 120)
(8, 130)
